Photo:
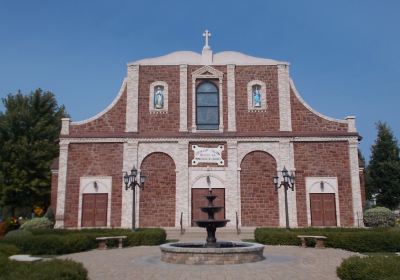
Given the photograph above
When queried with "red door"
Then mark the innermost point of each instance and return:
(94, 210)
(323, 209)
(198, 200)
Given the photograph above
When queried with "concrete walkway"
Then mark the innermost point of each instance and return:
(281, 262)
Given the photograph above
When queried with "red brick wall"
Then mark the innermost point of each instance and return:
(157, 199)
(54, 187)
(305, 120)
(259, 200)
(159, 123)
(97, 159)
(208, 145)
(323, 159)
(111, 121)
(257, 121)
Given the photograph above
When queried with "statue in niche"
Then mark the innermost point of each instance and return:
(159, 97)
(256, 96)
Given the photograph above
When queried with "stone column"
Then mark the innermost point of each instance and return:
(285, 115)
(132, 104)
(183, 98)
(286, 159)
(231, 98)
(232, 190)
(62, 184)
(130, 155)
(182, 185)
(355, 182)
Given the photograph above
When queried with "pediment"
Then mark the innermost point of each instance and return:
(207, 72)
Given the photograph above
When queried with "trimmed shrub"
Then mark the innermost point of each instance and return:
(8, 249)
(356, 240)
(379, 217)
(17, 233)
(44, 270)
(369, 268)
(37, 223)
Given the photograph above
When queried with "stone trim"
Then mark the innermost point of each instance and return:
(65, 123)
(132, 102)
(194, 58)
(285, 112)
(355, 183)
(183, 98)
(207, 72)
(108, 108)
(312, 186)
(104, 186)
(62, 184)
(250, 106)
(231, 97)
(209, 139)
(130, 155)
(298, 96)
(153, 110)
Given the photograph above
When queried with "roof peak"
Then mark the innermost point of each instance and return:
(194, 58)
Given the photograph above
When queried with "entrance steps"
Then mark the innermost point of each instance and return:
(200, 234)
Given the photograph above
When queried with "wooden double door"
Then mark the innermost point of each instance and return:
(198, 200)
(94, 210)
(323, 209)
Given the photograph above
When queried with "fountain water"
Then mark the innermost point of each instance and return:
(211, 252)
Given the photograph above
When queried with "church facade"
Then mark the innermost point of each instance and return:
(190, 122)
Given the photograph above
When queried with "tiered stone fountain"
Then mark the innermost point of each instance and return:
(211, 252)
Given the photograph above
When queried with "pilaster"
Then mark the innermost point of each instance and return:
(183, 98)
(232, 190)
(285, 115)
(130, 156)
(132, 104)
(286, 159)
(231, 97)
(355, 182)
(62, 184)
(182, 186)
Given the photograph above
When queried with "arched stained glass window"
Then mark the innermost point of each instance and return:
(207, 107)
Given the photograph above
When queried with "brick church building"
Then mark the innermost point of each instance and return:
(190, 122)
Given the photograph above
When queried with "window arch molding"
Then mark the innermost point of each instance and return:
(152, 91)
(250, 104)
(207, 73)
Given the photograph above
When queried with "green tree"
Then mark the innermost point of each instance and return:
(383, 171)
(29, 128)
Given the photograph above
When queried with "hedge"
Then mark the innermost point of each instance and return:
(370, 268)
(44, 270)
(57, 242)
(356, 240)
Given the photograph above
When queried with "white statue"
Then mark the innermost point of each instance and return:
(159, 98)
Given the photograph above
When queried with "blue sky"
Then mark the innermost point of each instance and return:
(344, 55)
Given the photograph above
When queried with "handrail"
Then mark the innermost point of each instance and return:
(181, 223)
(237, 223)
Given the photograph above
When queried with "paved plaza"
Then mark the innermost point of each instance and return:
(281, 262)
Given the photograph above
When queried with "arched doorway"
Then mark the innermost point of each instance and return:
(157, 199)
(259, 200)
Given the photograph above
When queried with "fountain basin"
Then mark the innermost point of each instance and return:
(222, 253)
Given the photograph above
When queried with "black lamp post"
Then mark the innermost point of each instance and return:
(131, 183)
(287, 183)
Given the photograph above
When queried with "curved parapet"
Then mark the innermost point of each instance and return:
(110, 120)
(306, 119)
